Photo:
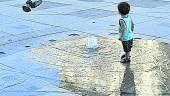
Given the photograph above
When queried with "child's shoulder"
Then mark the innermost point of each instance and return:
(131, 17)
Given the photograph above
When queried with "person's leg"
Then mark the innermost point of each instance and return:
(127, 55)
(124, 48)
(130, 45)
(127, 49)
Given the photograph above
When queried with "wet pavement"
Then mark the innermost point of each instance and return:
(44, 52)
(100, 73)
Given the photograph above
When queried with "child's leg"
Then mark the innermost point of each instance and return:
(129, 46)
(126, 49)
(127, 55)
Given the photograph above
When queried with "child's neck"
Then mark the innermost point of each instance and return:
(124, 16)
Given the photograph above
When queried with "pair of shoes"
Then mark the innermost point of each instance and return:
(125, 60)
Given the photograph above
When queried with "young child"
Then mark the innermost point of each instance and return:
(126, 27)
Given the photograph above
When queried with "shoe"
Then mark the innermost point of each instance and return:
(125, 60)
(123, 56)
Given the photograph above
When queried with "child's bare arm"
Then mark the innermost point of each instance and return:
(122, 29)
(132, 26)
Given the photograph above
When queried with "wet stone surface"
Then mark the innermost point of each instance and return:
(1, 53)
(52, 40)
(148, 4)
(100, 73)
(73, 34)
(27, 46)
(92, 0)
(93, 13)
(5, 0)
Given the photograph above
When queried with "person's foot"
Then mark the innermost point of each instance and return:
(125, 60)
(123, 56)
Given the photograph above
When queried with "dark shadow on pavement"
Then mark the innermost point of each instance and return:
(128, 86)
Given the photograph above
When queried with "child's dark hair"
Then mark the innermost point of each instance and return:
(123, 8)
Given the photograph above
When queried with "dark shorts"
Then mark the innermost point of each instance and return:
(127, 45)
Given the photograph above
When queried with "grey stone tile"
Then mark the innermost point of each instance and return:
(148, 3)
(22, 27)
(93, 13)
(5, 0)
(6, 20)
(92, 0)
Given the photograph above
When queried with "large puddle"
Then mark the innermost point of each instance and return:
(100, 73)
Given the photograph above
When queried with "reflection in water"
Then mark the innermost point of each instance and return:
(99, 73)
(128, 85)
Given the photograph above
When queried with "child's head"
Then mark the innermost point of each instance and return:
(123, 8)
